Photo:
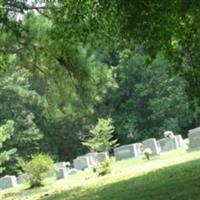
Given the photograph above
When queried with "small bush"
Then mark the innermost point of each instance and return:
(37, 169)
(104, 168)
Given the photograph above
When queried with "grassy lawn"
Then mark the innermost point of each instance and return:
(172, 176)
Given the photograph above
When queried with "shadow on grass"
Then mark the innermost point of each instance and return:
(177, 182)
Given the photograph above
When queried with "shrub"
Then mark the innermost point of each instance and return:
(104, 168)
(37, 169)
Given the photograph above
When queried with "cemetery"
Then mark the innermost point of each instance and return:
(126, 157)
(99, 100)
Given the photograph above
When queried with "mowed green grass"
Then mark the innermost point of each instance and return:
(170, 176)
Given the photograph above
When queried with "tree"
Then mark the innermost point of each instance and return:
(147, 101)
(49, 114)
(5, 133)
(113, 24)
(101, 136)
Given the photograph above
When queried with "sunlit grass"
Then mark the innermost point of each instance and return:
(130, 179)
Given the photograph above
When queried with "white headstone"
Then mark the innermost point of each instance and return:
(194, 138)
(126, 151)
(8, 182)
(179, 140)
(81, 163)
(151, 144)
(60, 165)
(168, 144)
(22, 178)
(102, 156)
(92, 159)
(138, 149)
(61, 173)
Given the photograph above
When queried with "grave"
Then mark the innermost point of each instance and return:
(168, 144)
(22, 178)
(93, 161)
(61, 173)
(151, 144)
(60, 165)
(138, 149)
(81, 163)
(194, 138)
(8, 182)
(127, 151)
(179, 140)
(102, 156)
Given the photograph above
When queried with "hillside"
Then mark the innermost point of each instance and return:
(174, 175)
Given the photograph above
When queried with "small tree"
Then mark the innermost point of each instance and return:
(37, 169)
(104, 168)
(101, 136)
(5, 133)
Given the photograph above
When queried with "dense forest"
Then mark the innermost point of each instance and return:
(65, 64)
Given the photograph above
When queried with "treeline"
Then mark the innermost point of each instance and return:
(50, 115)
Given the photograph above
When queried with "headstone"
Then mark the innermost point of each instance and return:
(194, 138)
(102, 156)
(73, 171)
(22, 178)
(8, 182)
(138, 149)
(81, 163)
(151, 144)
(61, 173)
(93, 161)
(179, 140)
(60, 165)
(168, 144)
(126, 151)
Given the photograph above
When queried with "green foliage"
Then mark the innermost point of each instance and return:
(38, 39)
(5, 133)
(37, 169)
(66, 88)
(147, 101)
(101, 136)
(105, 167)
(20, 104)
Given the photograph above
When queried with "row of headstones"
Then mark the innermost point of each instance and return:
(89, 160)
(156, 147)
(128, 151)
(162, 145)
(122, 152)
(61, 172)
(12, 181)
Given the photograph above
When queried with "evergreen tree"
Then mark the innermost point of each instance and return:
(6, 131)
(101, 136)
